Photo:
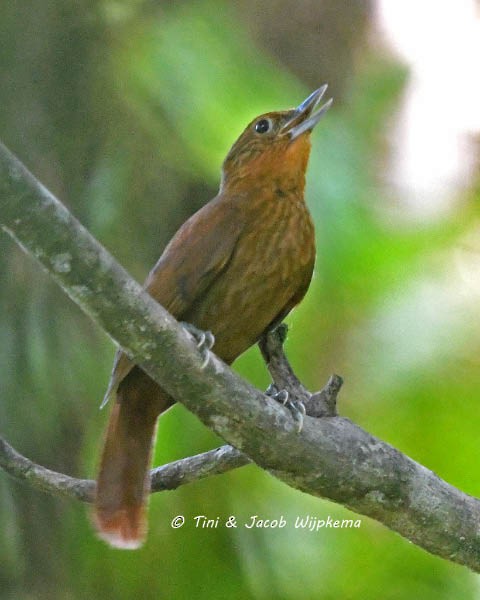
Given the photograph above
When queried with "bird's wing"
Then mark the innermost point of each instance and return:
(122, 365)
(196, 255)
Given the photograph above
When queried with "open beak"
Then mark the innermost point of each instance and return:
(305, 117)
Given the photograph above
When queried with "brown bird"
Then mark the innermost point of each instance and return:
(236, 268)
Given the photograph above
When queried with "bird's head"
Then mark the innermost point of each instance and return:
(274, 148)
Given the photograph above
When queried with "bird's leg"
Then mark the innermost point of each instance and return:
(296, 407)
(288, 389)
(271, 346)
(205, 340)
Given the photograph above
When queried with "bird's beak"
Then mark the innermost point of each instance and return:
(305, 117)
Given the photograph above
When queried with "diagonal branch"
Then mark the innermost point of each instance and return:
(176, 473)
(165, 477)
(331, 457)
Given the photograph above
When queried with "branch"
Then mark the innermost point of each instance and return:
(171, 475)
(330, 458)
(166, 477)
(320, 404)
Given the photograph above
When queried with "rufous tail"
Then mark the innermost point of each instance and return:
(123, 483)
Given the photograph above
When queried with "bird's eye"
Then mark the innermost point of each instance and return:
(263, 126)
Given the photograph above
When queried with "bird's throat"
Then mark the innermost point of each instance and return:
(279, 171)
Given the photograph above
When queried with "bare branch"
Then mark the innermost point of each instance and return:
(43, 479)
(166, 477)
(193, 468)
(331, 457)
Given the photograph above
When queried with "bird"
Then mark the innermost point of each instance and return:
(235, 268)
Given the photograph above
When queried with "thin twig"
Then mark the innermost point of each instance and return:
(166, 477)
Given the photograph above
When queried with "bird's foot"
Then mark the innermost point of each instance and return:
(296, 407)
(205, 340)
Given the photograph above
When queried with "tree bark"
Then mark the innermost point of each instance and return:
(331, 457)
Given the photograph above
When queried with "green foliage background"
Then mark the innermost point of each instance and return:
(125, 110)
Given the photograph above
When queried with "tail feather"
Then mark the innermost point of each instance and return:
(123, 483)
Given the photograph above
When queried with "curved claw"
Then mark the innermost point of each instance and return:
(206, 358)
(271, 391)
(298, 411)
(282, 397)
(209, 340)
(296, 407)
(206, 344)
(205, 341)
